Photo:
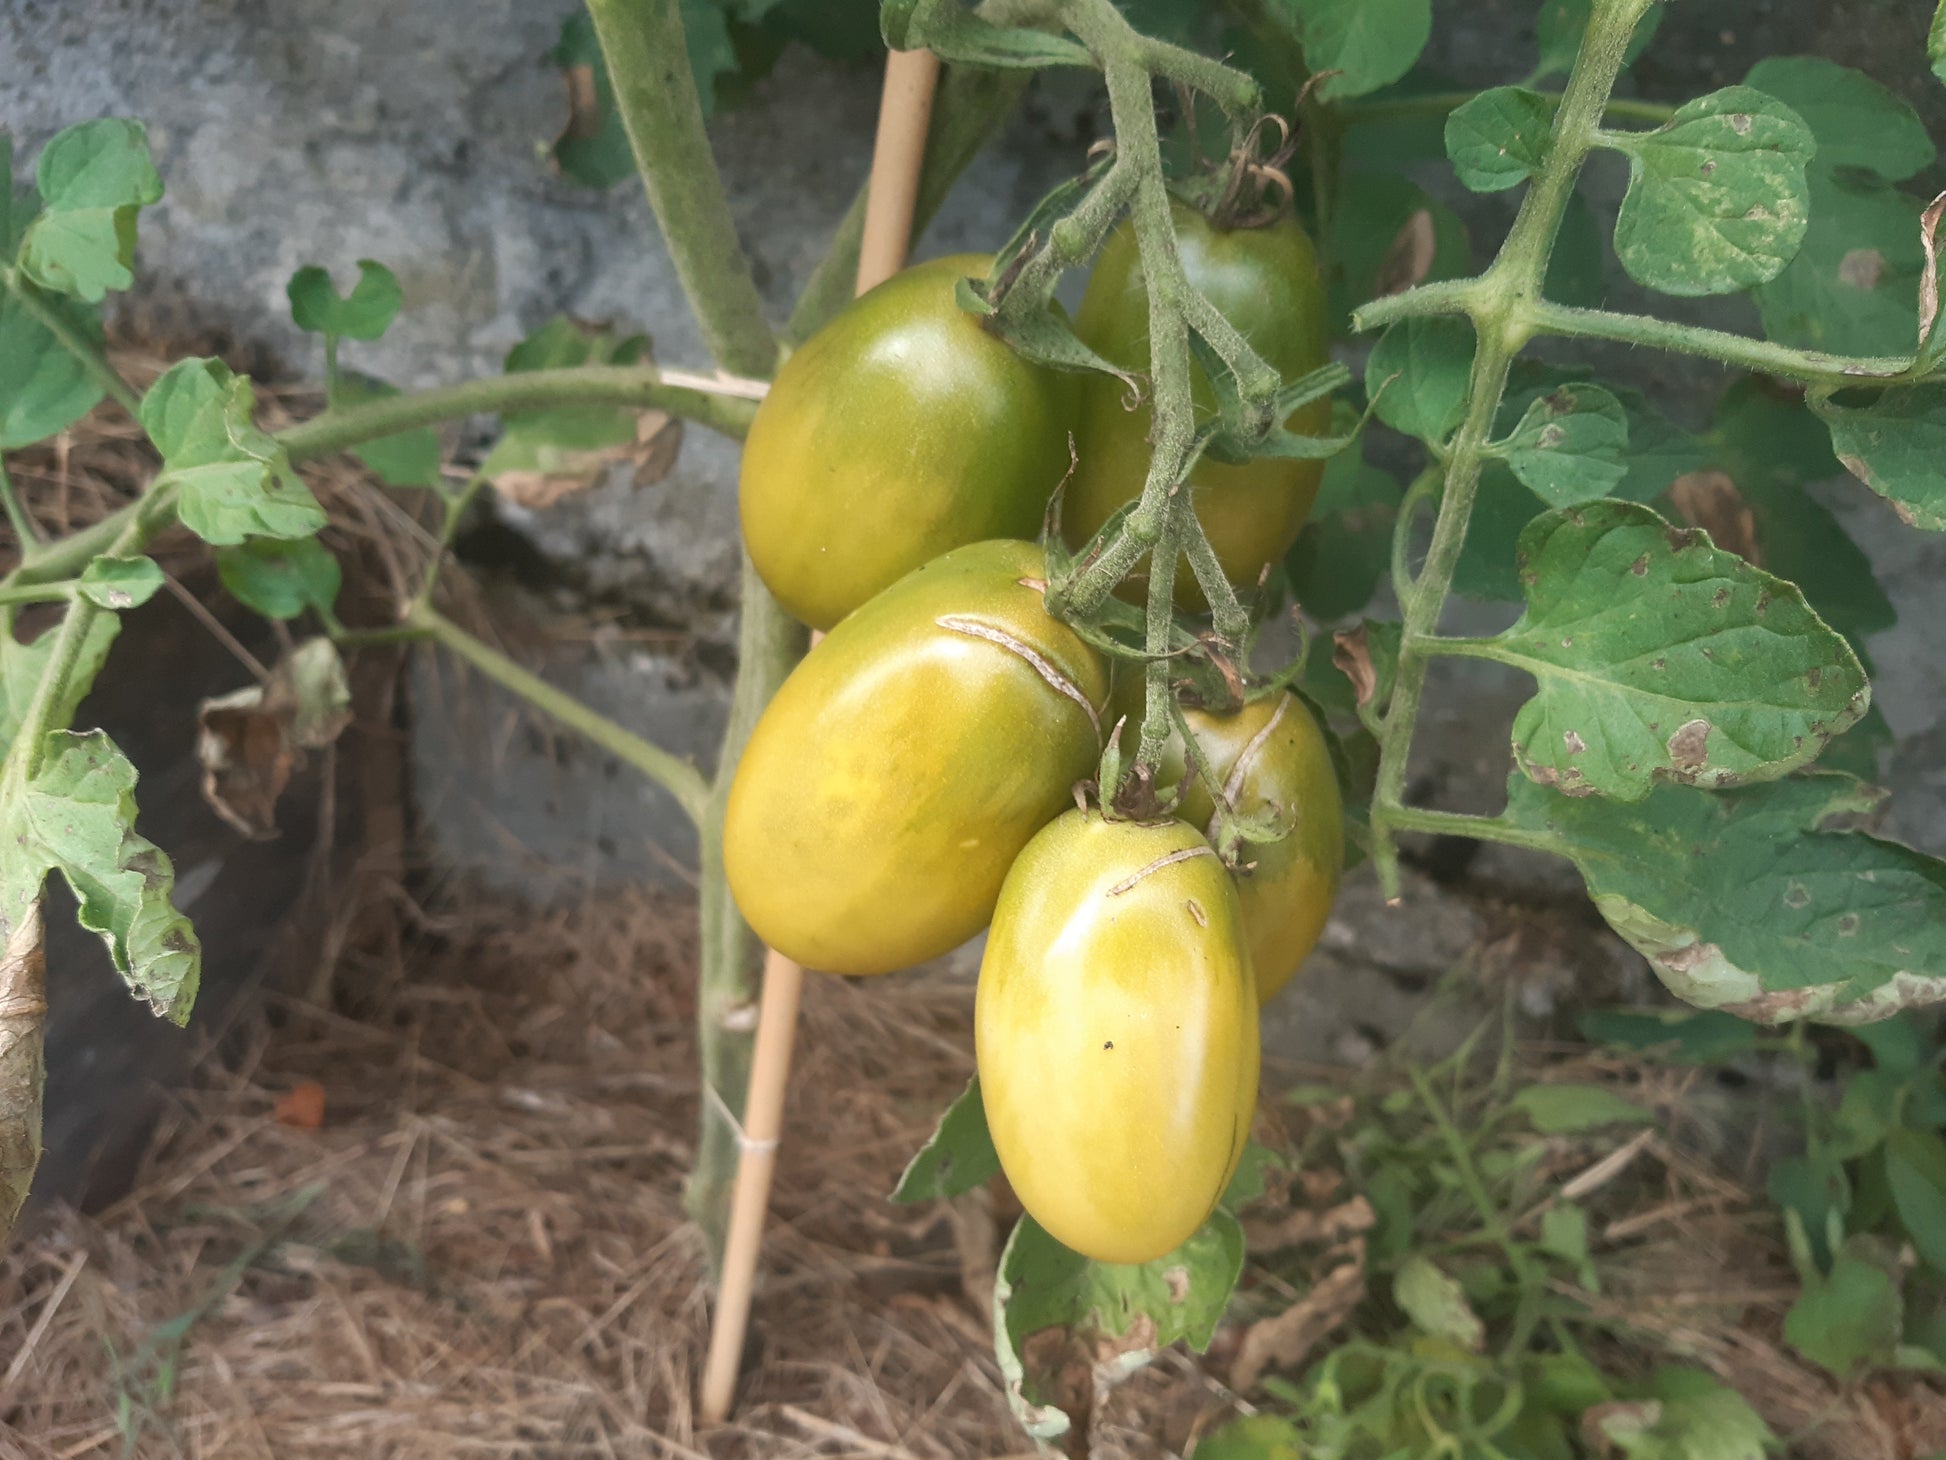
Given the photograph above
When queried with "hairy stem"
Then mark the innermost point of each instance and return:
(648, 65)
(1480, 828)
(676, 776)
(769, 642)
(1498, 303)
(91, 355)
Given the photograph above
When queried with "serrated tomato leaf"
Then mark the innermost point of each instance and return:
(1417, 375)
(231, 479)
(1717, 198)
(1569, 447)
(1499, 138)
(1744, 901)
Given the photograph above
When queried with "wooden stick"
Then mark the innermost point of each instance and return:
(905, 109)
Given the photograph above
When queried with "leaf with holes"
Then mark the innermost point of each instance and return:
(118, 583)
(1894, 445)
(44, 388)
(1659, 655)
(1499, 138)
(231, 479)
(1856, 121)
(363, 314)
(957, 1157)
(76, 815)
(1418, 373)
(1717, 198)
(1569, 447)
(1064, 1322)
(1369, 43)
(94, 178)
(1745, 901)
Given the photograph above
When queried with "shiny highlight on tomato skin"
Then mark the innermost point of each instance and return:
(1116, 1032)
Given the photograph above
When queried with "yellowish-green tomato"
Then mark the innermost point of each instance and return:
(901, 430)
(1265, 282)
(1116, 1031)
(1271, 759)
(907, 760)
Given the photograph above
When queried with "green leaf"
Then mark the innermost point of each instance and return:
(1111, 1317)
(1346, 546)
(957, 1157)
(1936, 42)
(956, 33)
(1853, 287)
(1499, 138)
(1915, 1169)
(77, 816)
(1569, 446)
(1418, 373)
(93, 179)
(1740, 900)
(1660, 656)
(564, 440)
(1894, 445)
(1856, 121)
(1814, 1190)
(1686, 1036)
(1383, 228)
(1564, 1232)
(406, 459)
(118, 583)
(1561, 24)
(22, 665)
(1846, 1318)
(1686, 1415)
(280, 579)
(1717, 199)
(231, 479)
(1436, 1304)
(43, 386)
(1254, 1437)
(1370, 43)
(593, 150)
(362, 314)
(1563, 1109)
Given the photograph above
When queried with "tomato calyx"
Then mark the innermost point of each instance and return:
(1249, 188)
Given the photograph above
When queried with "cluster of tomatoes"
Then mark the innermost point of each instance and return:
(913, 780)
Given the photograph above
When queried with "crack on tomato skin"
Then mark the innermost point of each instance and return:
(1038, 662)
(1183, 855)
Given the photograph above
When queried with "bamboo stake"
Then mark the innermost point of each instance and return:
(905, 109)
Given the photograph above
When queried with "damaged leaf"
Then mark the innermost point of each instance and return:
(957, 1157)
(251, 742)
(1660, 656)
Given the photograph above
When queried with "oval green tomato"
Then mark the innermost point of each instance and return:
(1116, 1031)
(1265, 282)
(1271, 759)
(901, 430)
(904, 764)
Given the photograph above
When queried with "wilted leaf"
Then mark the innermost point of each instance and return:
(1568, 448)
(77, 816)
(1368, 655)
(1437, 1304)
(118, 583)
(23, 1016)
(231, 479)
(251, 742)
(362, 314)
(1285, 1340)
(1894, 445)
(1499, 138)
(93, 178)
(957, 1157)
(1717, 199)
(44, 388)
(1067, 1326)
(1658, 655)
(1710, 500)
(1563, 1109)
(1741, 901)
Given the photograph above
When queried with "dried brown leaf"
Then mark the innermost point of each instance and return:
(251, 742)
(23, 1017)
(1710, 500)
(1286, 1340)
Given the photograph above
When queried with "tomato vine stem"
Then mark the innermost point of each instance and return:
(1499, 304)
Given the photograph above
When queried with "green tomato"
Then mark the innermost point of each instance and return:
(901, 430)
(904, 764)
(1115, 1027)
(1265, 282)
(1271, 759)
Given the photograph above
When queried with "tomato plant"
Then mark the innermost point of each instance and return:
(1699, 744)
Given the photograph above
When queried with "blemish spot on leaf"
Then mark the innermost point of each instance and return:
(1814, 676)
(1721, 597)
(1848, 925)
(1640, 567)
(1177, 1280)
(1798, 896)
(1574, 742)
(1689, 746)
(1862, 268)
